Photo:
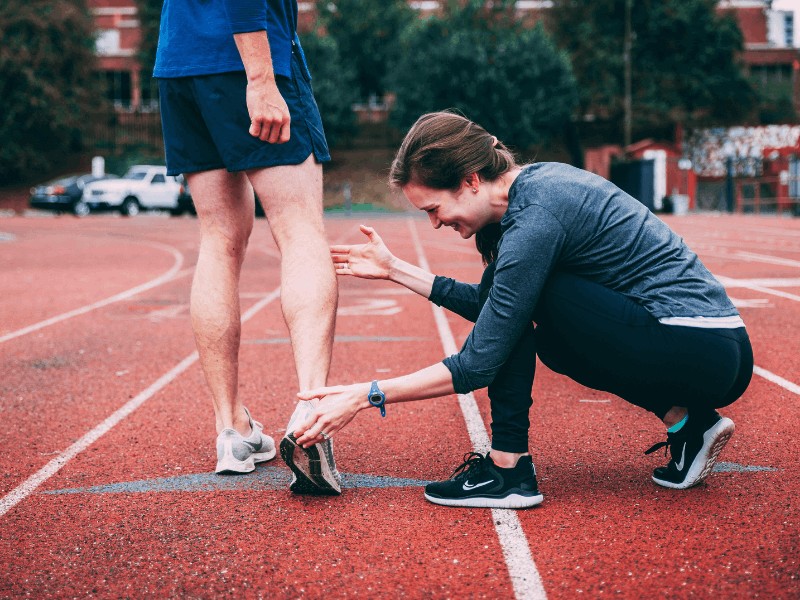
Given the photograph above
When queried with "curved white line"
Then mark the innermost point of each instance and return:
(522, 569)
(170, 274)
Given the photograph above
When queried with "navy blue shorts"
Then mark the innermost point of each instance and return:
(205, 123)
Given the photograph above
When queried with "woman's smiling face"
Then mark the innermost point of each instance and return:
(464, 210)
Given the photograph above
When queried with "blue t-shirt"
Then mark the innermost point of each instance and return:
(196, 36)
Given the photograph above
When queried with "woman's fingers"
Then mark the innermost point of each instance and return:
(340, 255)
(371, 234)
(313, 435)
(318, 392)
(310, 432)
(336, 408)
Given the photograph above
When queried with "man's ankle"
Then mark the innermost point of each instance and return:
(241, 423)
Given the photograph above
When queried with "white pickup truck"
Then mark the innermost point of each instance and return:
(143, 187)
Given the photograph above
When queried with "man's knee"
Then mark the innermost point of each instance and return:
(227, 236)
(291, 196)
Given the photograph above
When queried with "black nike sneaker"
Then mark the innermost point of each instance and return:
(479, 483)
(694, 450)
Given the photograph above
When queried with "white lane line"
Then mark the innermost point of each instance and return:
(730, 282)
(521, 568)
(170, 274)
(27, 487)
(780, 294)
(777, 379)
(766, 258)
(770, 282)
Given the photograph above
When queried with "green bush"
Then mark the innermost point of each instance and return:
(47, 85)
(511, 80)
(334, 86)
(366, 32)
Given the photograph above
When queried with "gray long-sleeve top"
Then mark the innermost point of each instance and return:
(560, 218)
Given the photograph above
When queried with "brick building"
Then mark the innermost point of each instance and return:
(118, 38)
(771, 56)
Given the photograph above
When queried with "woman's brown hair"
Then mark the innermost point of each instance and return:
(441, 150)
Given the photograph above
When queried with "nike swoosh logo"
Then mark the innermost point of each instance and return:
(683, 455)
(467, 486)
(256, 446)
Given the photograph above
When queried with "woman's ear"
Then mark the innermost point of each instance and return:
(473, 182)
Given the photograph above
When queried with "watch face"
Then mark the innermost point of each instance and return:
(376, 398)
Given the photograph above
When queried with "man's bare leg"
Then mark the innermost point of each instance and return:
(225, 208)
(292, 199)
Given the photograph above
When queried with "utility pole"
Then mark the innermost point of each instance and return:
(626, 57)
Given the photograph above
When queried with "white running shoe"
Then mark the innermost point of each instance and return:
(238, 454)
(313, 469)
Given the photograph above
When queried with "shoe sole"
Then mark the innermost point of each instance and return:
(265, 456)
(714, 441)
(229, 465)
(317, 477)
(510, 501)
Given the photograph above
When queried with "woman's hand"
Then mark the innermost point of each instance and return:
(337, 407)
(370, 261)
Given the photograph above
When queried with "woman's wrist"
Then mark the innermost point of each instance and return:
(395, 268)
(361, 400)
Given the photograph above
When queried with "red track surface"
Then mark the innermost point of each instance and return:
(604, 529)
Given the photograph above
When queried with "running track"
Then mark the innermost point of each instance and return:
(107, 438)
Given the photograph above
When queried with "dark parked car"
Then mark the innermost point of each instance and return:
(64, 194)
(186, 204)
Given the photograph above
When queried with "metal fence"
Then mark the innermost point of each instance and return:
(751, 195)
(117, 132)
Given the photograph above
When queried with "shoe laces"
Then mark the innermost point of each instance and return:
(671, 439)
(473, 464)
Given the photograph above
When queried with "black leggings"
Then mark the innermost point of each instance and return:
(605, 341)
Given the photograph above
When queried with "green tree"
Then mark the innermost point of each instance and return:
(366, 33)
(683, 61)
(775, 100)
(482, 61)
(150, 21)
(334, 83)
(47, 82)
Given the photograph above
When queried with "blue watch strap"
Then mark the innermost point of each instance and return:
(377, 398)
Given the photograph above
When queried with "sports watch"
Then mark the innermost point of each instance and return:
(377, 398)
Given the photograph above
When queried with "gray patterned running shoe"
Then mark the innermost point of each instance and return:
(314, 468)
(238, 454)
